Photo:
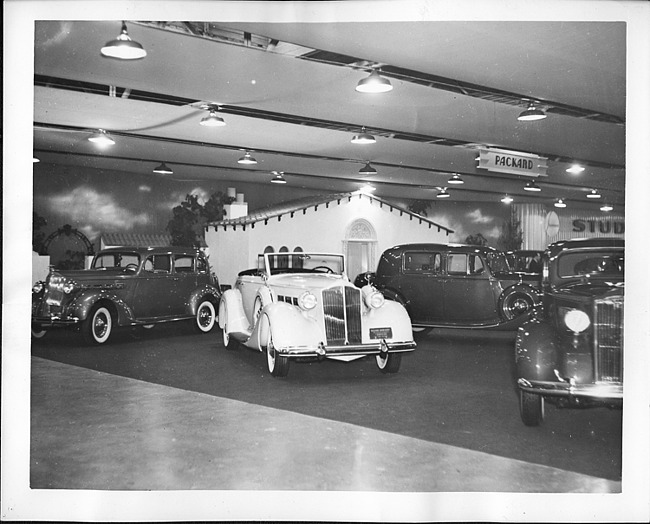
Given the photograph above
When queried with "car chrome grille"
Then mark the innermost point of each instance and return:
(608, 340)
(342, 313)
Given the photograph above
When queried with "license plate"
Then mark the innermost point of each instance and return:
(379, 333)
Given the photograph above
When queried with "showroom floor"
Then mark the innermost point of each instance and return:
(98, 431)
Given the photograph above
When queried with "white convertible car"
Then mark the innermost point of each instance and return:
(301, 306)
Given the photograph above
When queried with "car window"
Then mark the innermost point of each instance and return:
(476, 266)
(202, 265)
(497, 262)
(109, 260)
(157, 264)
(457, 264)
(183, 263)
(591, 263)
(421, 262)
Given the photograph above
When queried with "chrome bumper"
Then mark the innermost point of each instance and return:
(54, 321)
(601, 390)
(323, 351)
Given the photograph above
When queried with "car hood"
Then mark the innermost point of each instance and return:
(89, 275)
(598, 289)
(307, 281)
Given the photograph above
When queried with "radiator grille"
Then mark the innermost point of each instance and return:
(608, 340)
(342, 313)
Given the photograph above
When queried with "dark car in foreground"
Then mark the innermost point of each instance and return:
(571, 352)
(127, 287)
(454, 285)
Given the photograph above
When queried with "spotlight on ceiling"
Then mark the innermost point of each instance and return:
(507, 199)
(575, 169)
(531, 114)
(247, 159)
(532, 186)
(363, 138)
(213, 120)
(606, 207)
(101, 138)
(443, 193)
(123, 47)
(559, 203)
(163, 169)
(367, 170)
(278, 178)
(455, 179)
(593, 194)
(374, 83)
(367, 188)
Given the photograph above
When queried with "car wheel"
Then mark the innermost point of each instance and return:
(229, 342)
(38, 333)
(531, 407)
(97, 327)
(389, 362)
(278, 366)
(515, 303)
(205, 316)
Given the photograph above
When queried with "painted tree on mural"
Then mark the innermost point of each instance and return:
(511, 236)
(38, 235)
(476, 240)
(419, 207)
(187, 226)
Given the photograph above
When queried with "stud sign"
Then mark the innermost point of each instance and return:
(507, 162)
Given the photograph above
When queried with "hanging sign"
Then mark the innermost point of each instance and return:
(509, 162)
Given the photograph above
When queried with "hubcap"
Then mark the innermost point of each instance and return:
(100, 325)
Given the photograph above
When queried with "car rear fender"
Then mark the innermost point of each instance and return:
(536, 351)
(208, 292)
(87, 299)
(231, 312)
(289, 327)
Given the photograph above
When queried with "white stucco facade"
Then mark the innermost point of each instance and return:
(359, 226)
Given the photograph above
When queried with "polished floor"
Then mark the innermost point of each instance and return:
(97, 431)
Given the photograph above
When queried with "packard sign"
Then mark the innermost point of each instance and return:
(509, 162)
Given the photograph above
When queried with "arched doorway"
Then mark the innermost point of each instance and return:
(359, 247)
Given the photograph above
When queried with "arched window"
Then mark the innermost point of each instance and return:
(359, 247)
(296, 261)
(269, 249)
(283, 261)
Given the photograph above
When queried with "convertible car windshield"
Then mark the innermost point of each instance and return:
(605, 263)
(276, 263)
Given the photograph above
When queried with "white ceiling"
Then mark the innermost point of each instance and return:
(571, 65)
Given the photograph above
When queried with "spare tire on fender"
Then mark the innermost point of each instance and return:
(516, 300)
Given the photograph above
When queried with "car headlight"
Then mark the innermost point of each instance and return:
(38, 287)
(576, 320)
(372, 298)
(307, 301)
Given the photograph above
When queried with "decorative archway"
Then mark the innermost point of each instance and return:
(359, 247)
(70, 258)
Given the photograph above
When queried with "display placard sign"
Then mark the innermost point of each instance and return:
(514, 163)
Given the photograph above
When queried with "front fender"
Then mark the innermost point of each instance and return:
(232, 317)
(288, 325)
(391, 314)
(84, 302)
(536, 355)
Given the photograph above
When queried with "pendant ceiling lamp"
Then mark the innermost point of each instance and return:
(367, 170)
(101, 138)
(531, 114)
(367, 188)
(532, 186)
(278, 178)
(443, 193)
(606, 207)
(374, 83)
(455, 179)
(363, 138)
(213, 120)
(560, 203)
(247, 159)
(575, 169)
(593, 194)
(507, 199)
(163, 169)
(123, 47)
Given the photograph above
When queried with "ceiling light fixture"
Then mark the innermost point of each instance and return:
(123, 47)
(575, 169)
(278, 178)
(531, 114)
(532, 186)
(374, 83)
(367, 188)
(455, 179)
(247, 159)
(163, 169)
(213, 120)
(363, 138)
(594, 194)
(443, 193)
(101, 138)
(507, 199)
(560, 203)
(606, 207)
(367, 170)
